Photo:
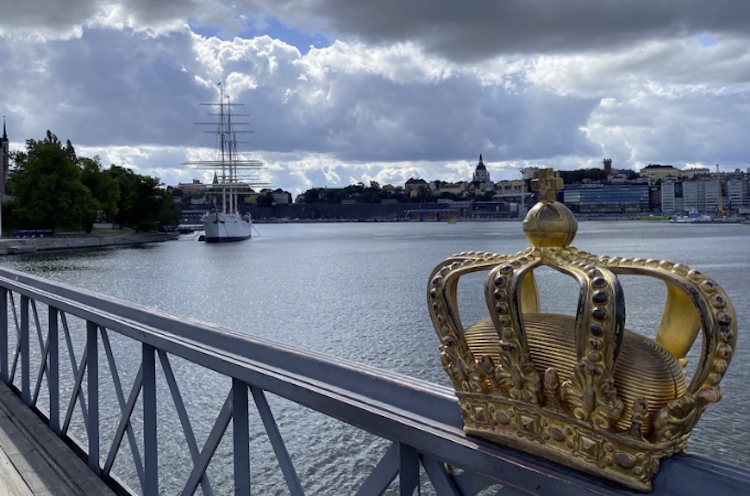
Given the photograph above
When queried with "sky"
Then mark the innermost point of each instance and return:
(347, 91)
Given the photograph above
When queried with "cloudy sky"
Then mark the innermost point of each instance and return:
(342, 91)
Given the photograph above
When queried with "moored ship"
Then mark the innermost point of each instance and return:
(226, 222)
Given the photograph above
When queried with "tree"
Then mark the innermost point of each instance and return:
(169, 214)
(47, 189)
(141, 201)
(264, 200)
(102, 186)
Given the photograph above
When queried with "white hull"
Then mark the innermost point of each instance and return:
(225, 223)
(221, 227)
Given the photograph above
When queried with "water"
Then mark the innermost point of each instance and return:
(357, 291)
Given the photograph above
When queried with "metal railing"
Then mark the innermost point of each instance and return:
(85, 342)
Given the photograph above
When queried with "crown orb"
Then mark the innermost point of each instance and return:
(550, 225)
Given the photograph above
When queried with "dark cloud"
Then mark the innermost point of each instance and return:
(479, 29)
(405, 89)
(105, 88)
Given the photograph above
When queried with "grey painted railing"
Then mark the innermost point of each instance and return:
(420, 420)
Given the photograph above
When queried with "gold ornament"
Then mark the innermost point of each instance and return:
(582, 391)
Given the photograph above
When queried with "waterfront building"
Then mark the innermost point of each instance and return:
(712, 197)
(4, 159)
(412, 186)
(694, 193)
(481, 174)
(607, 198)
(281, 197)
(696, 172)
(656, 172)
(530, 172)
(509, 188)
(194, 188)
(702, 196)
(439, 187)
(672, 201)
(491, 210)
(481, 179)
(654, 198)
(738, 193)
(618, 177)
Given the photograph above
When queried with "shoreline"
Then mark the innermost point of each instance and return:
(17, 246)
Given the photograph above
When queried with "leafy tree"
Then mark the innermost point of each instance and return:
(264, 201)
(126, 185)
(141, 201)
(169, 214)
(47, 186)
(102, 186)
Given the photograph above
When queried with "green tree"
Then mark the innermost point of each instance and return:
(47, 188)
(141, 200)
(169, 214)
(126, 185)
(102, 186)
(264, 201)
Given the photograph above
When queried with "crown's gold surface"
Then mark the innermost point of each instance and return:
(582, 391)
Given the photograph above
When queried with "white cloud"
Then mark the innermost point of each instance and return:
(398, 93)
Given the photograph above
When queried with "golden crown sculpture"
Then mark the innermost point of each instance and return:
(582, 391)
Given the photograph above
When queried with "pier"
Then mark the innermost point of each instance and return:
(15, 246)
(99, 373)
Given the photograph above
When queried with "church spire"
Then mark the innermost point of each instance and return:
(5, 135)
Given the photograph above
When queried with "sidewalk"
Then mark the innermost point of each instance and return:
(34, 461)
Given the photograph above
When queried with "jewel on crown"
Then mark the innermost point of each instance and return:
(582, 391)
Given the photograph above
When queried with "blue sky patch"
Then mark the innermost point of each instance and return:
(273, 28)
(706, 40)
(291, 36)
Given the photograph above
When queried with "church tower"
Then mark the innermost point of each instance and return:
(4, 159)
(481, 175)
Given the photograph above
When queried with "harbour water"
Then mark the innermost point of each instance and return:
(358, 291)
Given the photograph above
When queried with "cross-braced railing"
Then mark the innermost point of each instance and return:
(75, 346)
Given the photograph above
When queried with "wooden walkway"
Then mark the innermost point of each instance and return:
(34, 461)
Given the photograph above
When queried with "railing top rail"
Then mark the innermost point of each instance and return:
(418, 413)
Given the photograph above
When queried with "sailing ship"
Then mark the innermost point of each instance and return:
(226, 222)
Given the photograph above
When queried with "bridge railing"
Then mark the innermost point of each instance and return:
(70, 354)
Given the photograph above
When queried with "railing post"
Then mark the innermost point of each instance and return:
(241, 439)
(53, 371)
(150, 445)
(408, 472)
(23, 337)
(4, 335)
(93, 390)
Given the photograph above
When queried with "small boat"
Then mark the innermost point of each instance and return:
(227, 222)
(691, 218)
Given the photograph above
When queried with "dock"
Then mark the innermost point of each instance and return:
(16, 246)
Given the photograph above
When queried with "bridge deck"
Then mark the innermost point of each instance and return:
(36, 462)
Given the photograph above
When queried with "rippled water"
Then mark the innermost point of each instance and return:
(357, 290)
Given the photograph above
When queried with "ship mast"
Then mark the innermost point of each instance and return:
(229, 161)
(720, 206)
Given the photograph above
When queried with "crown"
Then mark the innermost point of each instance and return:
(582, 391)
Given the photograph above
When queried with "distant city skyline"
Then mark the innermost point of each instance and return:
(342, 92)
